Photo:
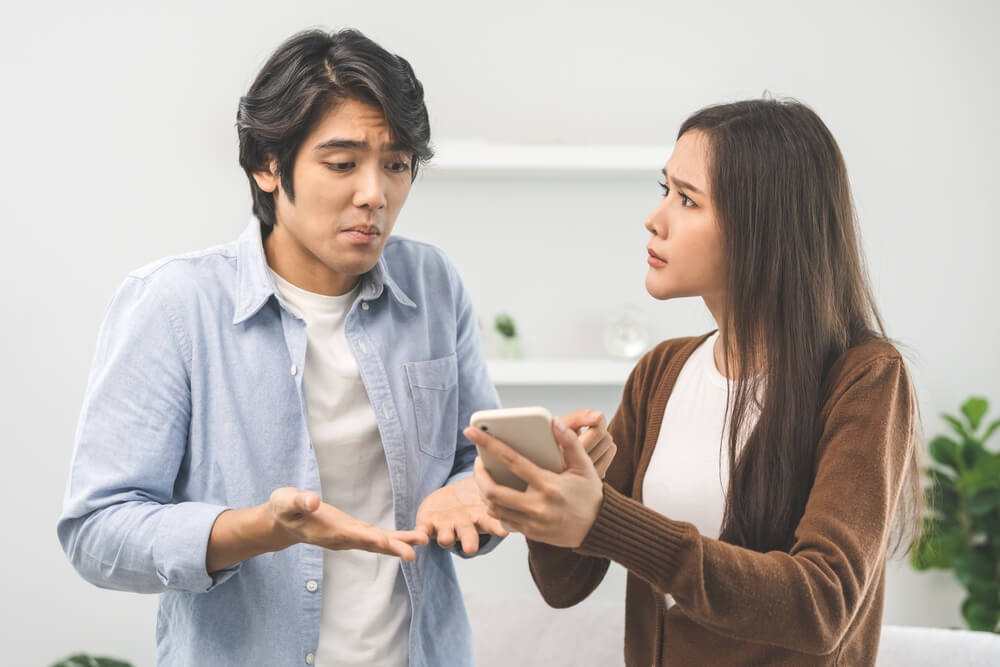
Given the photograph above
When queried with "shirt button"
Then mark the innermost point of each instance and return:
(309, 658)
(295, 369)
(364, 305)
(311, 585)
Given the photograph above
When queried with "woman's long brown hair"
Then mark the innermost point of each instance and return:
(798, 297)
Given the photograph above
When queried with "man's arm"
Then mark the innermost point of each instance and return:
(120, 527)
(292, 516)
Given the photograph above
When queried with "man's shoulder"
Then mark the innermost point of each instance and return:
(412, 263)
(402, 248)
(187, 279)
(188, 267)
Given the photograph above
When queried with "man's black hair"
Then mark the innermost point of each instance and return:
(308, 75)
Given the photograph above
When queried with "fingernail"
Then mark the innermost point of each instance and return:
(560, 425)
(594, 415)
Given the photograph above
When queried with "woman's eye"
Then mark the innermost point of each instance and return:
(666, 190)
(686, 201)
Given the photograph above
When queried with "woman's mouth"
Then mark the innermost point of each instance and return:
(655, 260)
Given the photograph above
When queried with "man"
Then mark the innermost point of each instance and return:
(271, 426)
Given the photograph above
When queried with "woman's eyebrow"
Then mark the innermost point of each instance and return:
(684, 185)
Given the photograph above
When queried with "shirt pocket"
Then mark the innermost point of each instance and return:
(434, 387)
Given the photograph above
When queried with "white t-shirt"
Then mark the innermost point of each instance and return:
(366, 606)
(688, 473)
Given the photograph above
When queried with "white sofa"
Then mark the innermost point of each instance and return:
(524, 632)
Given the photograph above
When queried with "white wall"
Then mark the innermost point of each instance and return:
(120, 147)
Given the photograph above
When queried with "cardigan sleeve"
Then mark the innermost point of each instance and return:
(563, 576)
(803, 600)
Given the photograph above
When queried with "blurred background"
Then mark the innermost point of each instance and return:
(118, 131)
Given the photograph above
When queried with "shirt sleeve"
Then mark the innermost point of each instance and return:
(120, 526)
(475, 391)
(806, 599)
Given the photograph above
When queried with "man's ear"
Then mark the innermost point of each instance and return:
(268, 180)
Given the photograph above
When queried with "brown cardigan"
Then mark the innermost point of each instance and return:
(818, 604)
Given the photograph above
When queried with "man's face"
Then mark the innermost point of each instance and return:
(349, 183)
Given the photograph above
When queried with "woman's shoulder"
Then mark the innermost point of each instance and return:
(871, 363)
(868, 354)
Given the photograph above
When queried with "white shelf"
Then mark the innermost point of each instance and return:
(486, 156)
(559, 372)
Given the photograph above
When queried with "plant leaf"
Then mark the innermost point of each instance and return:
(990, 429)
(983, 502)
(944, 450)
(974, 568)
(984, 474)
(972, 452)
(957, 426)
(980, 615)
(937, 546)
(974, 409)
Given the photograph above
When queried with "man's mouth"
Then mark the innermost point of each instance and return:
(363, 233)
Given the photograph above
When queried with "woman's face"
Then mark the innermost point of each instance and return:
(685, 251)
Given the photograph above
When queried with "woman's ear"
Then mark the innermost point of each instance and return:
(268, 180)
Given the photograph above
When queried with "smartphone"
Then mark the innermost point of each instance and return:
(528, 431)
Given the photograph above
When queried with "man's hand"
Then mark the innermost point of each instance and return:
(457, 511)
(299, 516)
(556, 509)
(592, 430)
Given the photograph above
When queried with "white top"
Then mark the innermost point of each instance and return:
(366, 607)
(688, 473)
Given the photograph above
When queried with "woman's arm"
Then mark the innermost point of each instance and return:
(563, 576)
(804, 600)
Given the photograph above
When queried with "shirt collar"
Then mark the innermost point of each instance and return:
(254, 285)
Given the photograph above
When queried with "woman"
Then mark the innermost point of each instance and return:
(798, 404)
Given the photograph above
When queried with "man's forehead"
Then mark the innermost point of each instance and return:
(353, 121)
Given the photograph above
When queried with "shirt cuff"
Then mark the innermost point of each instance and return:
(181, 545)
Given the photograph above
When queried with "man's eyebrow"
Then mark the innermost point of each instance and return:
(684, 185)
(352, 144)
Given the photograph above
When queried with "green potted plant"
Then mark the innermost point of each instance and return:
(510, 345)
(84, 660)
(962, 525)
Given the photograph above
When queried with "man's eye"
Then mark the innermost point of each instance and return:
(398, 167)
(339, 166)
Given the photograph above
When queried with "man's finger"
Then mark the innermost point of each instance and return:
(445, 536)
(468, 536)
(309, 501)
(401, 549)
(510, 459)
(491, 525)
(409, 536)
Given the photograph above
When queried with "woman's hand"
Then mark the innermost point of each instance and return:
(592, 429)
(558, 509)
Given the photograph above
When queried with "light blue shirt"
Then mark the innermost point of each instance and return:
(194, 405)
